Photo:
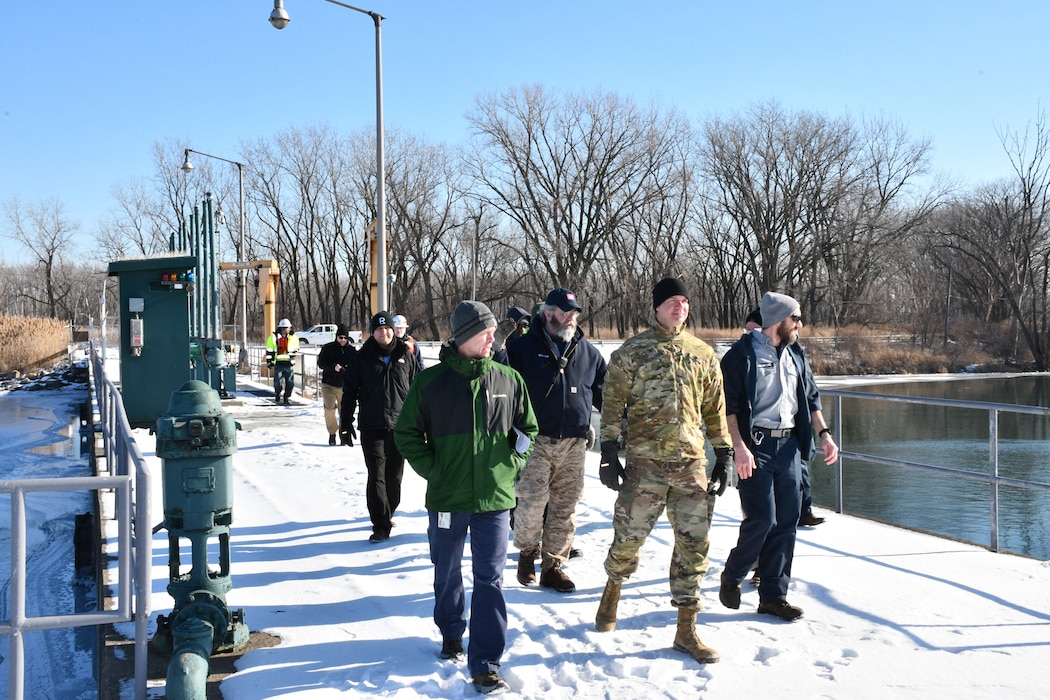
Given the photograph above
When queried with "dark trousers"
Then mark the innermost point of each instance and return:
(807, 492)
(770, 500)
(488, 609)
(386, 467)
(283, 377)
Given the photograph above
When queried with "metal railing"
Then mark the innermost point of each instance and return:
(992, 477)
(130, 481)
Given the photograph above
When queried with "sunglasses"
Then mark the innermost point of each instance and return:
(341, 337)
(796, 318)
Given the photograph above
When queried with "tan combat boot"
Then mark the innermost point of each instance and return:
(685, 638)
(605, 621)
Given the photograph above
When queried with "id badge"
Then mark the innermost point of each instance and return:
(444, 520)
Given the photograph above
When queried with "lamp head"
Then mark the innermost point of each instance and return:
(279, 17)
(186, 164)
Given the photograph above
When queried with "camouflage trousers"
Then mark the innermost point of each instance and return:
(551, 483)
(649, 487)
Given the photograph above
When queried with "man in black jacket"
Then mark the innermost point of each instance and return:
(333, 360)
(565, 375)
(376, 386)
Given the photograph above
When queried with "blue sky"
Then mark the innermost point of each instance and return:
(88, 88)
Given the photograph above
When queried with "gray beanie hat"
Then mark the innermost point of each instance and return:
(776, 307)
(469, 319)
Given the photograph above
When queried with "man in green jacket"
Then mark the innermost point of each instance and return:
(467, 427)
(663, 395)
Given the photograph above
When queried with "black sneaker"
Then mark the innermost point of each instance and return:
(331, 439)
(575, 553)
(452, 649)
(782, 609)
(489, 682)
(378, 537)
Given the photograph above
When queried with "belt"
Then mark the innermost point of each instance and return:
(758, 433)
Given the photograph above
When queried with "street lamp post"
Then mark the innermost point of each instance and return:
(279, 19)
(187, 166)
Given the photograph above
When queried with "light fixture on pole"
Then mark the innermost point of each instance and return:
(279, 19)
(187, 166)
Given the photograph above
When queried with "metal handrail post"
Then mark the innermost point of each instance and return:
(993, 467)
(16, 669)
(838, 463)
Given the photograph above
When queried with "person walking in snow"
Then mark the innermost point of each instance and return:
(401, 331)
(565, 375)
(375, 387)
(663, 393)
(467, 427)
(773, 411)
(282, 346)
(333, 360)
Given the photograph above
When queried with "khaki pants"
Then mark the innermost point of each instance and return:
(332, 397)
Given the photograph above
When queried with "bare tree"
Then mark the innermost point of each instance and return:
(567, 172)
(47, 235)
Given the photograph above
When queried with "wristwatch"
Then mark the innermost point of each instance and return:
(825, 430)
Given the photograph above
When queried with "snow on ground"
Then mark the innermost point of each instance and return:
(888, 612)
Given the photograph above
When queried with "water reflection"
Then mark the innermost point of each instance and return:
(948, 505)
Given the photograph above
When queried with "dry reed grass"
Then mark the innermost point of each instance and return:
(860, 350)
(32, 343)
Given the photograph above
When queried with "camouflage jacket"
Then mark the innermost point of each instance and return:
(663, 393)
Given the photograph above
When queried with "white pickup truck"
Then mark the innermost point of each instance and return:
(323, 333)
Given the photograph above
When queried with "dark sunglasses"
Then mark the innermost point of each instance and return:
(796, 318)
(341, 337)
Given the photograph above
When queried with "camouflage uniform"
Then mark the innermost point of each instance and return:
(670, 384)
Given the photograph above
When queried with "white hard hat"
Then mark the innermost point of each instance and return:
(400, 321)
(284, 323)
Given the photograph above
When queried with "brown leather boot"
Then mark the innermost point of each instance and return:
(605, 620)
(685, 638)
(527, 567)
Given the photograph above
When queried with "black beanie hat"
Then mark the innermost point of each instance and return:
(666, 288)
(383, 318)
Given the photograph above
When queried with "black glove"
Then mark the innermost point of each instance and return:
(503, 331)
(348, 435)
(720, 472)
(269, 362)
(610, 470)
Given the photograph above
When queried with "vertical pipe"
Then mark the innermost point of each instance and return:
(380, 172)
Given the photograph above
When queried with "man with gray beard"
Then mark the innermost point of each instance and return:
(565, 375)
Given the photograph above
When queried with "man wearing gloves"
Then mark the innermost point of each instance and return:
(773, 410)
(467, 427)
(375, 387)
(334, 361)
(663, 393)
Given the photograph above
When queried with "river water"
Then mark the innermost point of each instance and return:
(945, 436)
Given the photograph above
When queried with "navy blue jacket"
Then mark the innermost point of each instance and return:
(739, 379)
(562, 401)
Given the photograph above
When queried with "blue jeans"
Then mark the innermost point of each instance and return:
(770, 500)
(283, 376)
(489, 533)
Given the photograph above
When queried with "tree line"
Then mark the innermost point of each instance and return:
(595, 192)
